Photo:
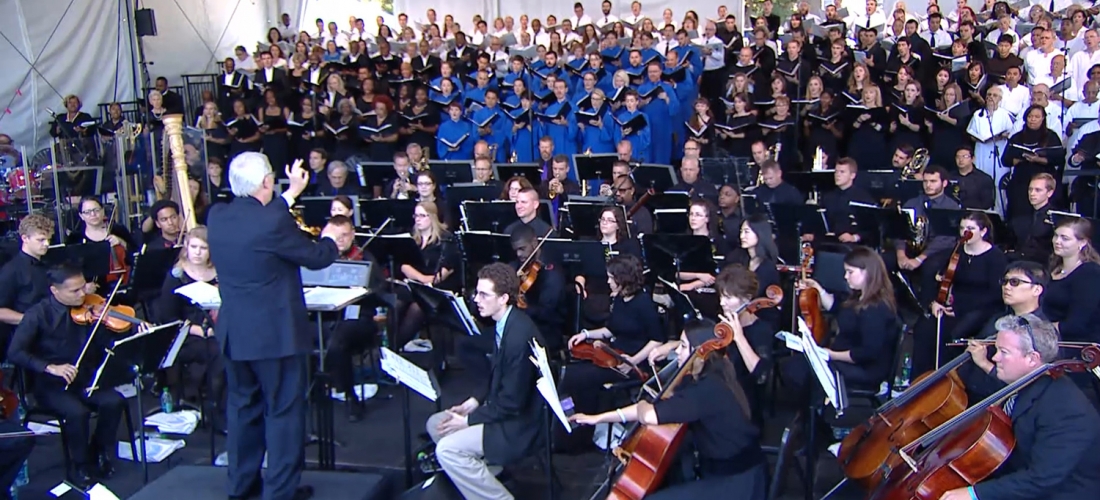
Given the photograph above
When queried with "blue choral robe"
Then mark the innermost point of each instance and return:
(662, 117)
(460, 134)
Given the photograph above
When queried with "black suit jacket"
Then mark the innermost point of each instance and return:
(510, 408)
(1057, 434)
(259, 251)
(279, 80)
(432, 64)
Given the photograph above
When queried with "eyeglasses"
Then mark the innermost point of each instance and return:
(420, 216)
(93, 211)
(1022, 321)
(1015, 282)
(608, 220)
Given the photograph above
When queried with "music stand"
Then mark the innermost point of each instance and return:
(452, 172)
(94, 258)
(73, 182)
(374, 173)
(731, 170)
(659, 178)
(681, 303)
(458, 193)
(376, 212)
(585, 218)
(594, 167)
(445, 305)
(814, 183)
(486, 248)
(491, 216)
(585, 258)
(316, 210)
(889, 222)
(796, 220)
(150, 269)
(669, 253)
(531, 171)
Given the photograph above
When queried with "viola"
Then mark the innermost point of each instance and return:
(809, 300)
(948, 277)
(970, 447)
(604, 356)
(119, 269)
(528, 272)
(116, 318)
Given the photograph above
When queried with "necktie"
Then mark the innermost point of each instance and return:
(1010, 403)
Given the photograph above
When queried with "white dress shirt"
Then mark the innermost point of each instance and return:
(1078, 67)
(1037, 64)
(717, 58)
(1015, 100)
(581, 21)
(606, 20)
(939, 38)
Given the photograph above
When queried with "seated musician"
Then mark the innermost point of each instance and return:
(712, 403)
(702, 222)
(511, 189)
(633, 328)
(867, 324)
(774, 190)
(1035, 230)
(976, 188)
(47, 344)
(23, 280)
(440, 256)
(356, 329)
(341, 205)
(95, 227)
(751, 349)
(973, 297)
(693, 184)
(1056, 431)
(559, 183)
(730, 214)
(527, 209)
(545, 299)
(836, 202)
(613, 237)
(759, 254)
(939, 247)
(642, 219)
(1072, 298)
(200, 353)
(165, 215)
(502, 426)
(483, 172)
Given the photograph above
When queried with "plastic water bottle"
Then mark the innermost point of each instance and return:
(902, 379)
(166, 403)
(381, 312)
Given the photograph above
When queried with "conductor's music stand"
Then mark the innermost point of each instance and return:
(529, 171)
(491, 216)
(674, 253)
(375, 213)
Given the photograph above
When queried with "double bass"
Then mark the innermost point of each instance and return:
(648, 451)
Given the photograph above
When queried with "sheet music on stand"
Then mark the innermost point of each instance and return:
(100, 371)
(818, 359)
(322, 298)
(546, 386)
(202, 294)
(405, 372)
(680, 301)
(456, 302)
(177, 344)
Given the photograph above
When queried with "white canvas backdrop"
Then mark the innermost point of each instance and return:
(52, 48)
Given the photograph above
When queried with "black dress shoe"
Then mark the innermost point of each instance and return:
(255, 491)
(303, 493)
(80, 478)
(104, 468)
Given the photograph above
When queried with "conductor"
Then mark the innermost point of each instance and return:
(263, 327)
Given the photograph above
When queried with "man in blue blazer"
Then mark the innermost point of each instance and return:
(263, 326)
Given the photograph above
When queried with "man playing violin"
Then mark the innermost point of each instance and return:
(1057, 430)
(545, 299)
(46, 345)
(712, 404)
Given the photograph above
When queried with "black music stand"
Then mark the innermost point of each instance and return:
(150, 269)
(376, 212)
(583, 258)
(441, 304)
(888, 222)
(316, 210)
(681, 303)
(459, 193)
(75, 182)
(796, 220)
(659, 178)
(731, 170)
(812, 183)
(585, 218)
(671, 254)
(395, 251)
(530, 171)
(94, 258)
(487, 248)
(448, 173)
(375, 173)
(492, 216)
(594, 167)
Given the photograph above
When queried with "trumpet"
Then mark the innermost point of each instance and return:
(554, 189)
(493, 152)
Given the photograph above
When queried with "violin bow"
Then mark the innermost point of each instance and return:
(376, 233)
(535, 251)
(98, 321)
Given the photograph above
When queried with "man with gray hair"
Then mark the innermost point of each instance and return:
(263, 327)
(1055, 427)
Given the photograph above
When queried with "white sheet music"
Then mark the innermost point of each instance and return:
(203, 294)
(170, 359)
(819, 364)
(545, 384)
(321, 297)
(409, 374)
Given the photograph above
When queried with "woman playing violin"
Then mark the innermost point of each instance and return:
(94, 226)
(712, 404)
(200, 353)
(863, 350)
(974, 295)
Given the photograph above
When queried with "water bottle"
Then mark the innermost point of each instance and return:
(166, 403)
(381, 320)
(906, 371)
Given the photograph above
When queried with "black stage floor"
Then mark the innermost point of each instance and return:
(375, 445)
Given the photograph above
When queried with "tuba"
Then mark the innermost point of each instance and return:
(173, 136)
(916, 164)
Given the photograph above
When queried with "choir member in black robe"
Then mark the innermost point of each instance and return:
(1034, 150)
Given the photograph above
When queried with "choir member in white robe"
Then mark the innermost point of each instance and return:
(990, 128)
(1082, 111)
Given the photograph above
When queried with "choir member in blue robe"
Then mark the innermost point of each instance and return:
(596, 126)
(522, 122)
(613, 54)
(663, 111)
(550, 68)
(446, 72)
(557, 122)
(576, 68)
(516, 72)
(630, 128)
(633, 67)
(493, 125)
(687, 51)
(603, 73)
(445, 96)
(681, 77)
(454, 141)
(477, 94)
(579, 95)
(620, 84)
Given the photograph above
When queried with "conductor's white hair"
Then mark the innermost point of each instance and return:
(247, 172)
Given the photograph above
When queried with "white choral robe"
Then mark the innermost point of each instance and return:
(987, 153)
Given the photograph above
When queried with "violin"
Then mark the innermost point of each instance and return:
(528, 272)
(969, 447)
(648, 451)
(116, 318)
(604, 356)
(809, 300)
(119, 270)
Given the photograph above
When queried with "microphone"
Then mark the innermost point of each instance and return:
(51, 112)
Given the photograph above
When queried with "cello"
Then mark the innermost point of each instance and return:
(647, 451)
(970, 447)
(809, 300)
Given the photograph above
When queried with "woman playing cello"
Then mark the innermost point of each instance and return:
(712, 404)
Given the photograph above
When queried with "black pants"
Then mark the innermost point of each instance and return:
(583, 381)
(348, 338)
(13, 453)
(76, 410)
(201, 365)
(961, 326)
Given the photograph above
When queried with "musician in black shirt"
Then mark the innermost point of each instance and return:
(836, 203)
(713, 405)
(23, 281)
(975, 188)
(545, 299)
(692, 183)
(527, 209)
(938, 247)
(642, 219)
(166, 216)
(1034, 231)
(47, 343)
(774, 190)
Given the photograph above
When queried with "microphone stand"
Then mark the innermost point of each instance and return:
(997, 161)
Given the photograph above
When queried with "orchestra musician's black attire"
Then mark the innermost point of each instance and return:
(839, 212)
(1074, 303)
(937, 250)
(48, 336)
(634, 323)
(23, 283)
(540, 226)
(701, 188)
(263, 329)
(761, 336)
(13, 453)
(975, 297)
(767, 274)
(784, 194)
(976, 189)
(1023, 171)
(353, 333)
(78, 237)
(443, 254)
(1057, 434)
(726, 442)
(1034, 233)
(201, 356)
(546, 303)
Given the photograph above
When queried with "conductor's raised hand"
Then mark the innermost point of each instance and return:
(298, 176)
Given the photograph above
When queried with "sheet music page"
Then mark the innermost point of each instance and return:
(464, 312)
(408, 373)
(146, 332)
(325, 297)
(203, 294)
(545, 384)
(819, 364)
(170, 359)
